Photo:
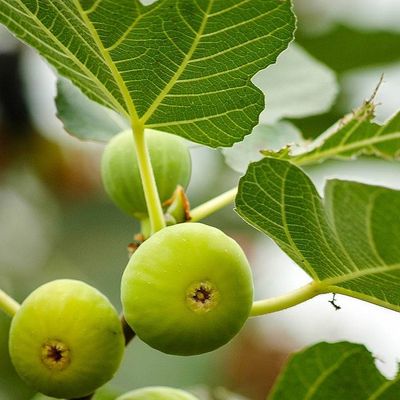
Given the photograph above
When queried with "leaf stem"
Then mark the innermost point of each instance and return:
(8, 304)
(287, 300)
(213, 205)
(154, 208)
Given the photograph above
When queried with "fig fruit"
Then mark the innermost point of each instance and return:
(187, 289)
(66, 340)
(171, 163)
(157, 393)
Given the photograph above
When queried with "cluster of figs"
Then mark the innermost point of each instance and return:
(186, 290)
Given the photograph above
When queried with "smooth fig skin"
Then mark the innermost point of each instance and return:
(66, 340)
(187, 289)
(120, 173)
(157, 393)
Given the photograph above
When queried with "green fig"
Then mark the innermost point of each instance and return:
(171, 163)
(157, 393)
(66, 340)
(187, 289)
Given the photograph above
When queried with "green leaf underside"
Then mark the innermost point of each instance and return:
(334, 371)
(182, 66)
(354, 137)
(347, 243)
(84, 118)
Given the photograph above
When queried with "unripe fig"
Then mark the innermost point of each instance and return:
(171, 163)
(157, 393)
(66, 340)
(187, 289)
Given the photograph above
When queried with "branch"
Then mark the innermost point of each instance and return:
(8, 304)
(287, 300)
(213, 205)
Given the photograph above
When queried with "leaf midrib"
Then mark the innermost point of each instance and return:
(319, 381)
(110, 63)
(310, 269)
(382, 388)
(360, 273)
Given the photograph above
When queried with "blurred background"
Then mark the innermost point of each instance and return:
(57, 222)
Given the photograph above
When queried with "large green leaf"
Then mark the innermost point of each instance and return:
(346, 243)
(182, 66)
(355, 136)
(308, 89)
(326, 371)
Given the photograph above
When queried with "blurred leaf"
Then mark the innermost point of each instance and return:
(31, 216)
(83, 117)
(311, 127)
(344, 48)
(273, 137)
(296, 86)
(179, 66)
(346, 243)
(334, 371)
(354, 136)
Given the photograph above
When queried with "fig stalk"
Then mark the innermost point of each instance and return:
(8, 304)
(297, 296)
(128, 332)
(153, 202)
(213, 205)
(128, 179)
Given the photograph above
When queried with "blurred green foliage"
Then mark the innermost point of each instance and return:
(343, 48)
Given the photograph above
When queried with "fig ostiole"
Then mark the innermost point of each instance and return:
(66, 340)
(187, 289)
(157, 393)
(170, 159)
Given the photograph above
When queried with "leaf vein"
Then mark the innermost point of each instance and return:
(329, 371)
(182, 67)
